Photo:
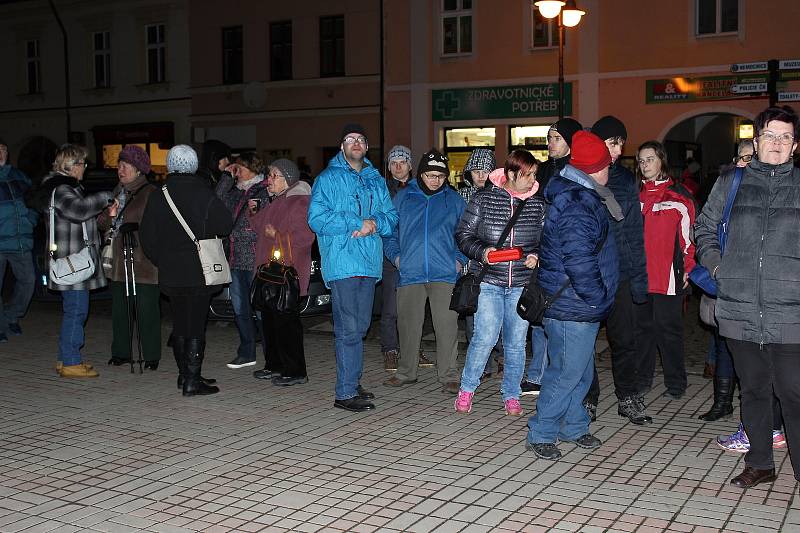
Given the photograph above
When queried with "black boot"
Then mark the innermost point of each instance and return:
(179, 347)
(194, 384)
(723, 400)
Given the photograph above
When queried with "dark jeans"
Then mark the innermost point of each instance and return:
(149, 316)
(764, 370)
(351, 299)
(659, 328)
(389, 337)
(724, 361)
(243, 312)
(283, 344)
(189, 310)
(21, 264)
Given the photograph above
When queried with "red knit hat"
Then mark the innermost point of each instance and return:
(589, 152)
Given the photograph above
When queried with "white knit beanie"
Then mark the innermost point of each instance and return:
(182, 159)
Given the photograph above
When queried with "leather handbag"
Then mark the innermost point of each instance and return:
(464, 299)
(74, 268)
(216, 269)
(276, 285)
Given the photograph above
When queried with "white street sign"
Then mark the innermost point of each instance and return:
(789, 64)
(789, 96)
(740, 88)
(755, 66)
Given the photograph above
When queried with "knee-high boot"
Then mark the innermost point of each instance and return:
(179, 347)
(723, 400)
(194, 384)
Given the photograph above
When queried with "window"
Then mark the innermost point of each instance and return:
(331, 46)
(232, 55)
(456, 27)
(33, 65)
(101, 45)
(717, 16)
(544, 32)
(459, 143)
(280, 50)
(156, 53)
(531, 138)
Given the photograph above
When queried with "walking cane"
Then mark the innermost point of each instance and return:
(132, 304)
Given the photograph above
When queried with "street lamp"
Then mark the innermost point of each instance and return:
(568, 16)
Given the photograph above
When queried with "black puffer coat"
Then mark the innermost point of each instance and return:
(483, 221)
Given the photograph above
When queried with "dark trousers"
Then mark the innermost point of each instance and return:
(659, 328)
(283, 344)
(389, 335)
(763, 371)
(189, 310)
(724, 365)
(149, 317)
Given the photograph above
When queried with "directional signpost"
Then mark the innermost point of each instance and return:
(740, 88)
(755, 66)
(789, 64)
(787, 96)
(776, 71)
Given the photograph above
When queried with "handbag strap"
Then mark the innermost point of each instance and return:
(178, 214)
(52, 232)
(511, 221)
(726, 213)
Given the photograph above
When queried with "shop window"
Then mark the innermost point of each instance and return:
(101, 45)
(459, 142)
(717, 16)
(530, 138)
(280, 50)
(156, 53)
(456, 27)
(544, 32)
(331, 46)
(232, 55)
(34, 66)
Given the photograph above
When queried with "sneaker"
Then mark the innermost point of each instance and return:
(14, 328)
(390, 358)
(463, 403)
(778, 439)
(672, 395)
(587, 442)
(77, 371)
(3, 337)
(529, 388)
(629, 408)
(738, 442)
(544, 450)
(265, 373)
(241, 362)
(286, 381)
(591, 409)
(513, 408)
(424, 362)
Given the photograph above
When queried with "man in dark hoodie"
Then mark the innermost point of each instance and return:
(215, 156)
(559, 143)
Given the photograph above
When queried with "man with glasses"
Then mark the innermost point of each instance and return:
(350, 211)
(758, 287)
(16, 243)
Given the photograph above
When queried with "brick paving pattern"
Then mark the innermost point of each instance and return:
(127, 452)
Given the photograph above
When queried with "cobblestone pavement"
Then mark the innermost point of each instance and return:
(126, 452)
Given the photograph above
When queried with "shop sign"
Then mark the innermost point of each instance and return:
(513, 101)
(679, 89)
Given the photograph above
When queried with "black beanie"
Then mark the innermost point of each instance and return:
(567, 127)
(352, 128)
(609, 127)
(433, 161)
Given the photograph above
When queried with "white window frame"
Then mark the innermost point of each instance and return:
(161, 50)
(718, 20)
(458, 14)
(105, 53)
(36, 61)
(552, 31)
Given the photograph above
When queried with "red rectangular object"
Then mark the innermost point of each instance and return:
(505, 254)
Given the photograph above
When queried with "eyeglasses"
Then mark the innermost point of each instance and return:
(83, 163)
(784, 138)
(648, 160)
(353, 140)
(745, 158)
(432, 176)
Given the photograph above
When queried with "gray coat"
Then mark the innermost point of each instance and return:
(758, 279)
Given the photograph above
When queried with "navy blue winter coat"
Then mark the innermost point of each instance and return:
(575, 225)
(629, 232)
(16, 220)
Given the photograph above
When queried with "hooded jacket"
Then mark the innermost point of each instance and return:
(16, 219)
(758, 279)
(577, 247)
(629, 232)
(341, 200)
(483, 222)
(423, 240)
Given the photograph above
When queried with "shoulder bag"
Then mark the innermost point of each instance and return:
(74, 268)
(467, 288)
(216, 270)
(276, 285)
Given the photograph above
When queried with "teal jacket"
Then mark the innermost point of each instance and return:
(341, 200)
(16, 220)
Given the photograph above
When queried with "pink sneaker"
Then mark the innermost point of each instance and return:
(513, 408)
(778, 439)
(464, 402)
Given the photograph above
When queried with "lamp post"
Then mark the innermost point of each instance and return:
(568, 16)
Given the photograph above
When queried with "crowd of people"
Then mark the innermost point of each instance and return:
(605, 245)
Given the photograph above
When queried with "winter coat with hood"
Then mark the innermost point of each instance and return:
(137, 193)
(577, 247)
(758, 279)
(72, 207)
(242, 240)
(288, 214)
(423, 242)
(629, 232)
(341, 200)
(16, 219)
(479, 159)
(483, 222)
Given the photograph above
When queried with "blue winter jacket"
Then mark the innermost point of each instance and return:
(424, 237)
(629, 232)
(577, 245)
(16, 220)
(341, 200)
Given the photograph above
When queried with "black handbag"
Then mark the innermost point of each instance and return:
(276, 286)
(467, 288)
(533, 301)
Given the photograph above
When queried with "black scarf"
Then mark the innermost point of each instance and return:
(424, 188)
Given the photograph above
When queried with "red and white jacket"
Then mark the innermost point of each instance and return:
(669, 211)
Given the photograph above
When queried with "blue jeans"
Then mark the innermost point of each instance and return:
(724, 359)
(497, 309)
(76, 310)
(22, 267)
(351, 299)
(559, 410)
(243, 312)
(538, 362)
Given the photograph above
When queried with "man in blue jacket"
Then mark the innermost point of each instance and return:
(16, 243)
(350, 211)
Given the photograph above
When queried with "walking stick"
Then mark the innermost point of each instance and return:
(128, 245)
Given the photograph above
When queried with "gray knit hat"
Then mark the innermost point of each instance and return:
(181, 159)
(288, 169)
(401, 153)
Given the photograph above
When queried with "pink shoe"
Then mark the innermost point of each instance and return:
(513, 408)
(464, 402)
